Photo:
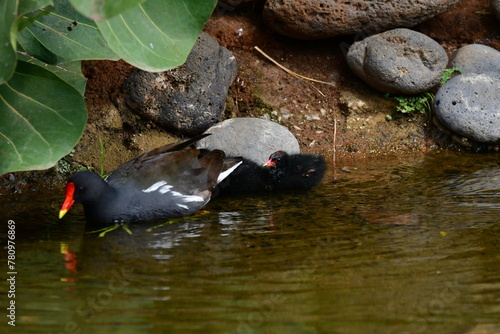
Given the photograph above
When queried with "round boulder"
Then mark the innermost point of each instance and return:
(476, 58)
(251, 138)
(469, 106)
(315, 19)
(187, 99)
(399, 61)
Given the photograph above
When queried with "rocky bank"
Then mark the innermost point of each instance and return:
(342, 117)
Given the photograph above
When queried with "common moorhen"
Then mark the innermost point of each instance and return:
(170, 181)
(281, 172)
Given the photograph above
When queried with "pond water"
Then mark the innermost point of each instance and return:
(385, 246)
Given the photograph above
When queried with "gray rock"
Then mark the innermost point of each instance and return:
(476, 58)
(469, 105)
(399, 61)
(495, 5)
(315, 19)
(251, 138)
(187, 99)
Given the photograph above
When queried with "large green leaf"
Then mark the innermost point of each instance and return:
(67, 34)
(25, 19)
(27, 6)
(158, 34)
(8, 14)
(41, 119)
(70, 72)
(32, 46)
(99, 10)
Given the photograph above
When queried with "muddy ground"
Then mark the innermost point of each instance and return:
(345, 119)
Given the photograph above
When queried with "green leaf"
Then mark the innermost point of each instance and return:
(41, 119)
(67, 34)
(70, 72)
(28, 6)
(34, 48)
(30, 11)
(8, 14)
(28, 18)
(99, 10)
(158, 34)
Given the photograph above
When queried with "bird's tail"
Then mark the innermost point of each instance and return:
(230, 164)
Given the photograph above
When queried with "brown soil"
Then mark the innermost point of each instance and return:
(344, 119)
(348, 114)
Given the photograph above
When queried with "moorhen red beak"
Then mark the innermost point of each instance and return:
(281, 172)
(170, 181)
(272, 161)
(68, 200)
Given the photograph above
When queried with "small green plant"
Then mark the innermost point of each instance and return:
(422, 102)
(447, 74)
(408, 104)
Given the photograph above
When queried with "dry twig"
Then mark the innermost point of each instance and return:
(292, 72)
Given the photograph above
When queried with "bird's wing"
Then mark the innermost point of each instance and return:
(173, 147)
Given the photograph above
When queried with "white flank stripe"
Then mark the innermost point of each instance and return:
(226, 173)
(161, 186)
(154, 187)
(188, 198)
(165, 189)
(183, 206)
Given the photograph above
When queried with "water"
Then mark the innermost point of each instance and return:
(393, 246)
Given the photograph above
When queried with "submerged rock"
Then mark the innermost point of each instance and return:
(187, 99)
(468, 106)
(315, 19)
(399, 61)
(251, 138)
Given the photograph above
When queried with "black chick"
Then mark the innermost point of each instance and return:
(281, 172)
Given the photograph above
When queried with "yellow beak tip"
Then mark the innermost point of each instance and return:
(62, 213)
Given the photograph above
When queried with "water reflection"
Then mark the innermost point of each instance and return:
(407, 246)
(479, 189)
